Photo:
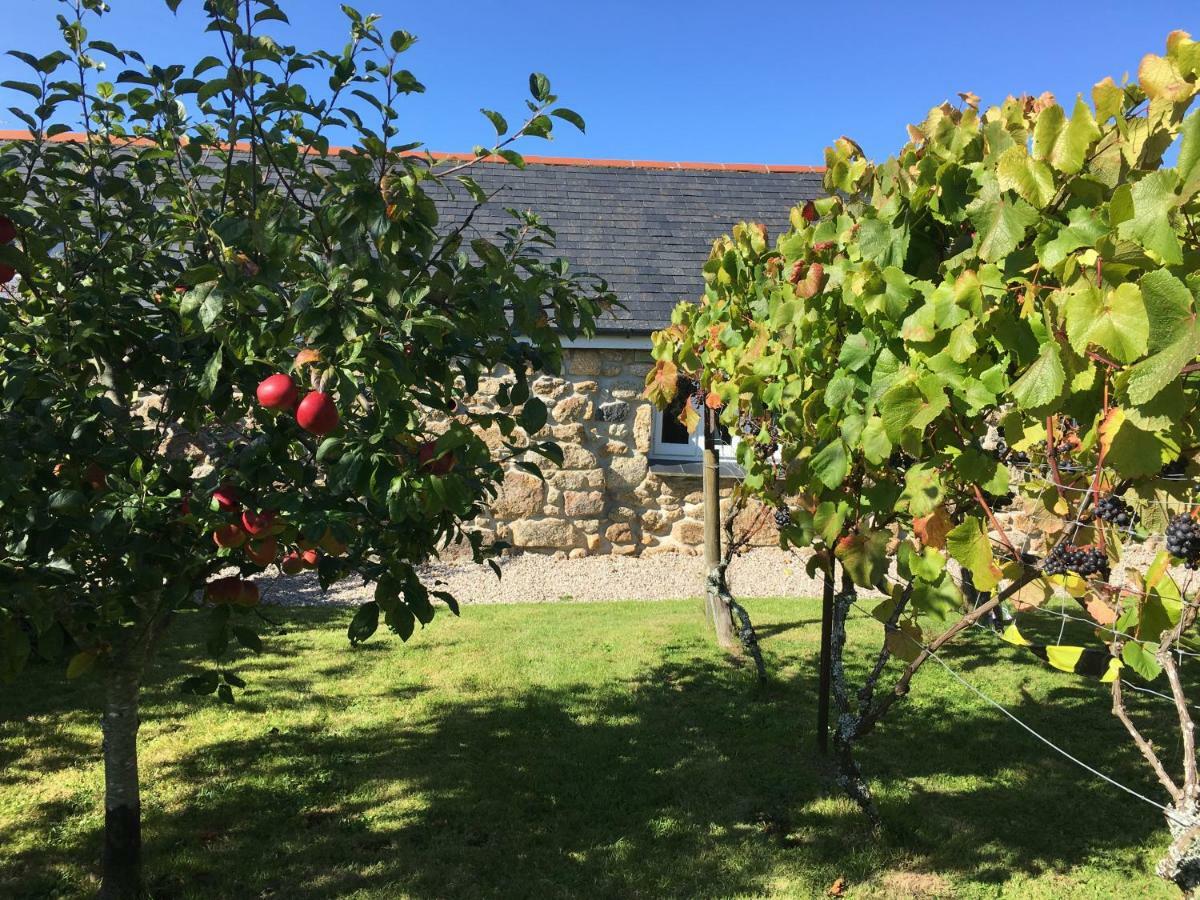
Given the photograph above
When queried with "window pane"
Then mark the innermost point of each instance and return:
(672, 431)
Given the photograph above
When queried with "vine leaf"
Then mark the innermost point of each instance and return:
(864, 556)
(1116, 323)
(1153, 374)
(999, 222)
(1030, 178)
(1131, 451)
(661, 383)
(1083, 229)
(970, 547)
(1042, 383)
(1168, 307)
(1150, 226)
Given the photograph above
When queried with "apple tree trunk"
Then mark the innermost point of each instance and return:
(122, 857)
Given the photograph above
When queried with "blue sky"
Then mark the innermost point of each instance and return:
(701, 80)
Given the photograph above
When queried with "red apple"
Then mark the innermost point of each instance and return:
(248, 594)
(93, 477)
(259, 524)
(227, 497)
(291, 563)
(8, 231)
(277, 392)
(263, 553)
(309, 558)
(317, 413)
(435, 465)
(223, 590)
(230, 535)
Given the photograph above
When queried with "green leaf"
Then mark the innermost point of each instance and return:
(940, 599)
(67, 502)
(81, 663)
(1116, 323)
(1153, 374)
(904, 407)
(1168, 307)
(968, 545)
(883, 242)
(247, 637)
(498, 121)
(855, 352)
(831, 464)
(864, 557)
(1071, 146)
(874, 441)
(212, 373)
(569, 115)
(1132, 451)
(539, 86)
(1042, 383)
(999, 222)
(1030, 178)
(1083, 229)
(1154, 200)
(364, 623)
(1141, 660)
(533, 415)
(922, 490)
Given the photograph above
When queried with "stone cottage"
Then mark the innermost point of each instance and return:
(630, 480)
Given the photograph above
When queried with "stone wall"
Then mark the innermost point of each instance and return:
(606, 498)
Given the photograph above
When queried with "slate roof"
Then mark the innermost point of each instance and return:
(645, 227)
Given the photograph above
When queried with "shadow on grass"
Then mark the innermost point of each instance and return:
(688, 781)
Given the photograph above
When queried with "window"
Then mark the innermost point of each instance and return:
(671, 441)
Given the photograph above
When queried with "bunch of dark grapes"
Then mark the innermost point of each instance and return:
(1018, 458)
(1000, 450)
(1112, 509)
(767, 450)
(747, 425)
(1067, 438)
(1183, 540)
(1083, 561)
(1176, 468)
(900, 461)
(783, 517)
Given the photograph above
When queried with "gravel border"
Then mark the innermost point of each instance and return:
(534, 578)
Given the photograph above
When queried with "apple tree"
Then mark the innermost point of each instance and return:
(227, 346)
(1004, 313)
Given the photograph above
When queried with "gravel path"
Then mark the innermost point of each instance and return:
(532, 578)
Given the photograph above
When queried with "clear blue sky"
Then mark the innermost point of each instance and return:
(706, 80)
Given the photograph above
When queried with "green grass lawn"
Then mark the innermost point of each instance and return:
(575, 750)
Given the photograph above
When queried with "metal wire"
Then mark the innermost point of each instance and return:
(1037, 734)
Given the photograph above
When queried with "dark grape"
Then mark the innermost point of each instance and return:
(1000, 451)
(783, 517)
(900, 461)
(1019, 458)
(1083, 561)
(1112, 509)
(1183, 540)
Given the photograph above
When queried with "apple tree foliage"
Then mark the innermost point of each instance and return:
(1017, 285)
(183, 232)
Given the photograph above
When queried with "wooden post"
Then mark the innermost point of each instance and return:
(716, 607)
(824, 676)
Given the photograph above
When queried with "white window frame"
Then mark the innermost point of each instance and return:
(689, 452)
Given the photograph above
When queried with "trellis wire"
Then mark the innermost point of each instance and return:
(1037, 734)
